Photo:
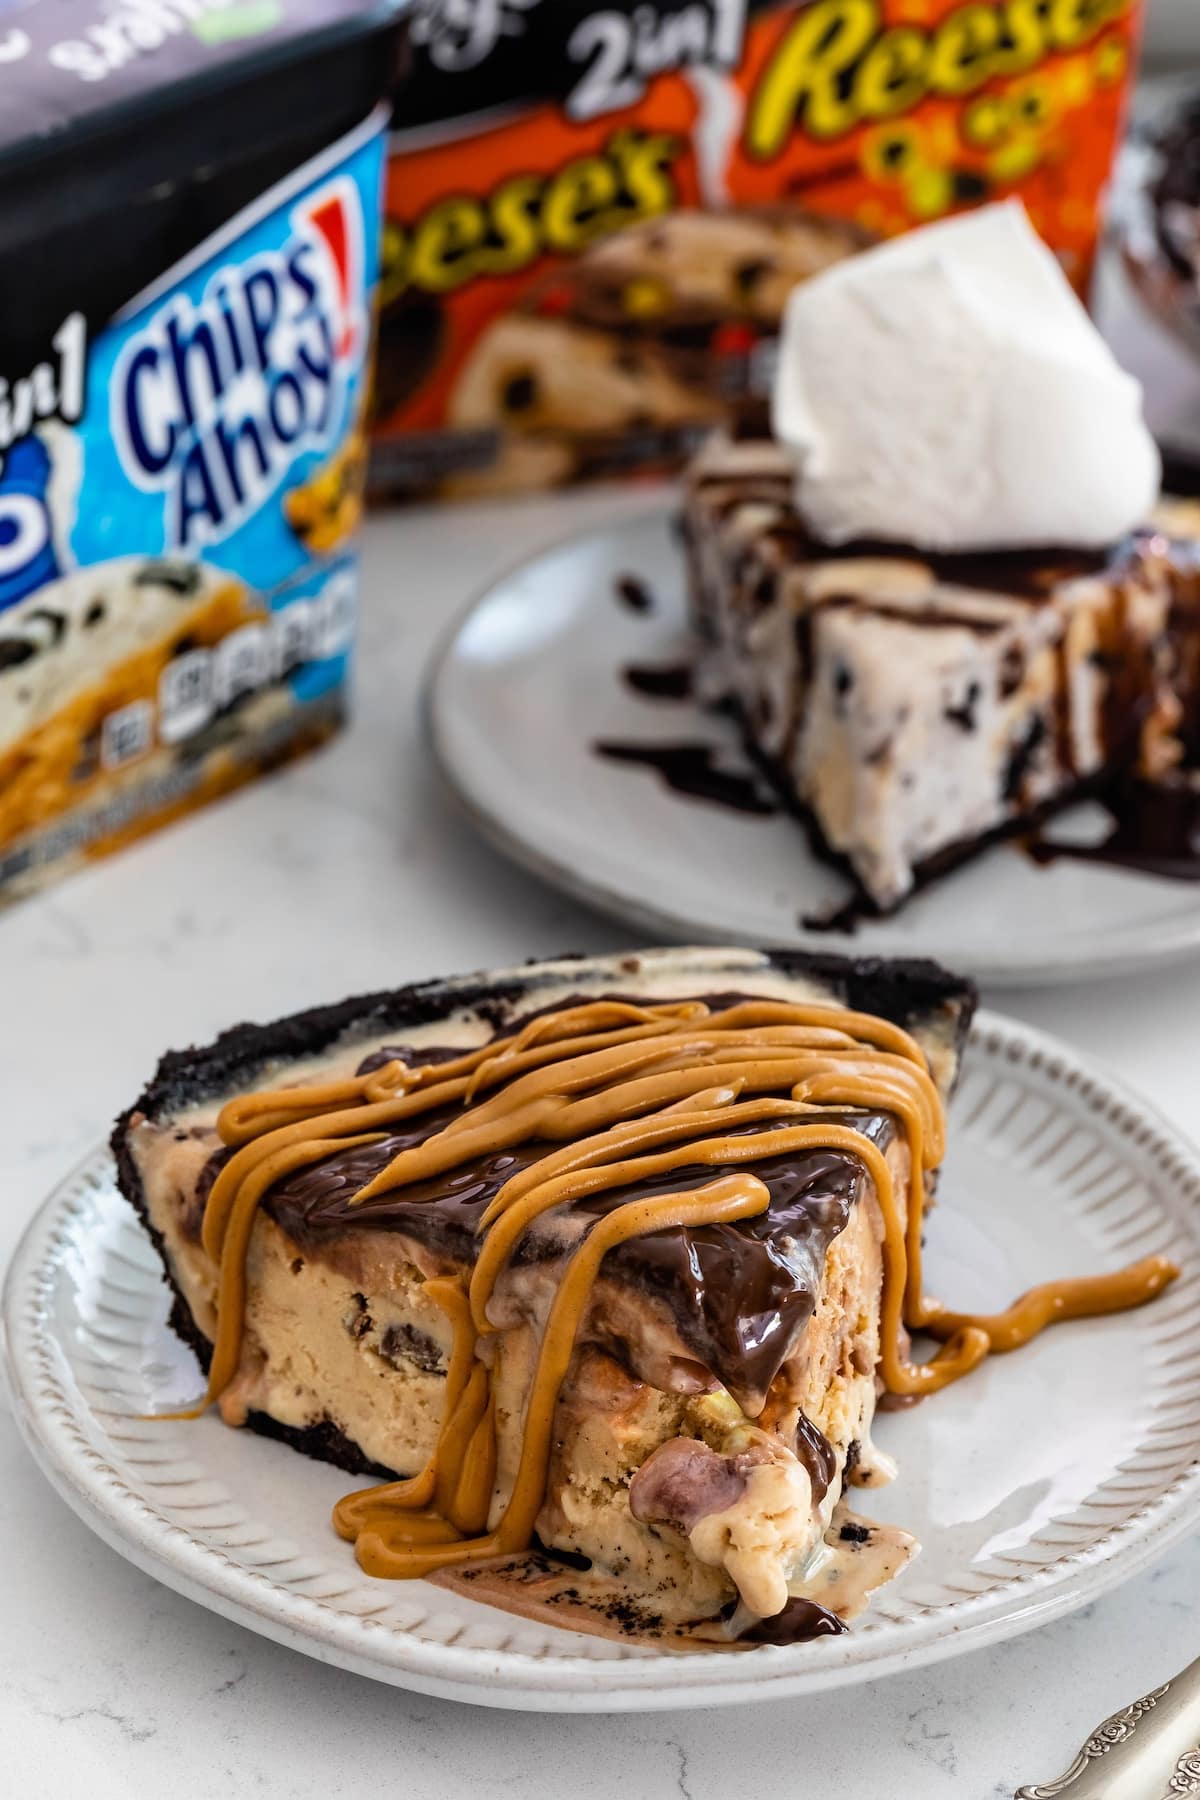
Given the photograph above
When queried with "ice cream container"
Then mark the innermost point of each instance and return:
(596, 211)
(190, 201)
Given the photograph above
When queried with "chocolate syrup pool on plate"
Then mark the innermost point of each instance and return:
(694, 769)
(1154, 829)
(660, 681)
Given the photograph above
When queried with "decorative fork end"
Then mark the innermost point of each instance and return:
(1122, 1762)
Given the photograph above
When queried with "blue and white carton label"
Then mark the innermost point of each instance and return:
(179, 492)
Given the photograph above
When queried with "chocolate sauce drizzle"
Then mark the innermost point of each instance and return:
(660, 681)
(634, 593)
(693, 769)
(799, 1622)
(1154, 830)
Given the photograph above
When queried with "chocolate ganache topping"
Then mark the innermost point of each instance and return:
(740, 1294)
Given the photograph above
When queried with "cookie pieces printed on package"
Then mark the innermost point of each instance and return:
(596, 208)
(182, 402)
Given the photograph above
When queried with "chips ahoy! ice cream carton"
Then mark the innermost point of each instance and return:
(190, 195)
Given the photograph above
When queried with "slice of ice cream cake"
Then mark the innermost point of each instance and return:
(601, 1261)
(914, 705)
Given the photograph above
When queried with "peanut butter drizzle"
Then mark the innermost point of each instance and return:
(628, 1092)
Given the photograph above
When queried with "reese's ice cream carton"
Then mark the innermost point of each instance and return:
(190, 196)
(597, 207)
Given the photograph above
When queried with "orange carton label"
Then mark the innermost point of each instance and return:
(594, 214)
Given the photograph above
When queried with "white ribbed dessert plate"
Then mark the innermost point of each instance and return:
(1034, 1485)
(534, 677)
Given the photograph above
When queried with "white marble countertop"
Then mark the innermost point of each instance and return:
(351, 871)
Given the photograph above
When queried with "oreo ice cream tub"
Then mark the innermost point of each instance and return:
(190, 199)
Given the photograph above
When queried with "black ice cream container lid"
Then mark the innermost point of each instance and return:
(75, 69)
(131, 130)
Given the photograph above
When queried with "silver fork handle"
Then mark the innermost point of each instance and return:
(1150, 1750)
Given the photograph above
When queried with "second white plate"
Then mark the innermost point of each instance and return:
(535, 678)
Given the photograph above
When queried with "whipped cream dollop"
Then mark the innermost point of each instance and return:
(948, 390)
